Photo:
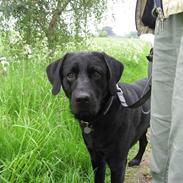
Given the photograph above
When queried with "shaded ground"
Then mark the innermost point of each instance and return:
(143, 172)
(140, 174)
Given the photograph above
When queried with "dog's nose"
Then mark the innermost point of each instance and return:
(83, 98)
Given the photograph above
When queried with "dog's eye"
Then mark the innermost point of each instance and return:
(71, 76)
(96, 75)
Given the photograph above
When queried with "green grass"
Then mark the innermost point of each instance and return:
(40, 141)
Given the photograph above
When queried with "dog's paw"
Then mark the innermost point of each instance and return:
(134, 162)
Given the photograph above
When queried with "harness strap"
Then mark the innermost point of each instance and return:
(140, 101)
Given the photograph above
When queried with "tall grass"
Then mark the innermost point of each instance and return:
(39, 139)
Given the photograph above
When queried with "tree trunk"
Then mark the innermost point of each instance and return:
(54, 22)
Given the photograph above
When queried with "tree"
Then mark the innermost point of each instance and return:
(108, 30)
(55, 20)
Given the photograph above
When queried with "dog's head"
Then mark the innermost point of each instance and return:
(87, 78)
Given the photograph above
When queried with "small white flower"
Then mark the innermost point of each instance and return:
(4, 64)
(28, 50)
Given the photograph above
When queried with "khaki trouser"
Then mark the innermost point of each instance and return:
(167, 102)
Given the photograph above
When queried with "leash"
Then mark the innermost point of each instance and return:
(147, 90)
(144, 97)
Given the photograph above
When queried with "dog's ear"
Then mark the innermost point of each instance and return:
(54, 74)
(115, 69)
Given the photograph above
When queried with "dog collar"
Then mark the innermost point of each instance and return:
(87, 126)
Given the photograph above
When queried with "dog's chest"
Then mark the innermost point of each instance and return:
(95, 143)
(97, 139)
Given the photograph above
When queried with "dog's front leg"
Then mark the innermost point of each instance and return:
(117, 170)
(97, 159)
(99, 166)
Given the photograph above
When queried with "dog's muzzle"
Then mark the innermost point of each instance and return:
(83, 105)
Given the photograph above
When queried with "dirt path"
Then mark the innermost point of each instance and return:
(143, 171)
(140, 174)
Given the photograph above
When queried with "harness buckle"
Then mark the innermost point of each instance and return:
(121, 96)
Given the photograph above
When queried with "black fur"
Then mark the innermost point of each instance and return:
(89, 81)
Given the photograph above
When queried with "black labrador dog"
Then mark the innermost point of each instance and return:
(109, 129)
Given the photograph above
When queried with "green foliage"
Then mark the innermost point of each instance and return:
(40, 141)
(57, 21)
(103, 34)
(106, 31)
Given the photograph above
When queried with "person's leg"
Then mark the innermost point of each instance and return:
(164, 66)
(175, 172)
